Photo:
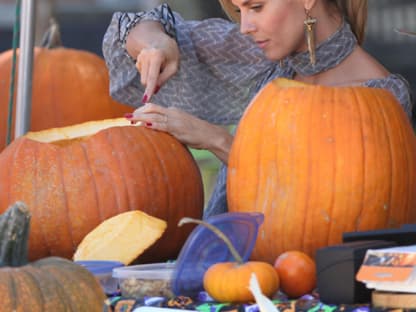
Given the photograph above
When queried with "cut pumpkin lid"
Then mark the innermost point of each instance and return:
(204, 248)
(121, 238)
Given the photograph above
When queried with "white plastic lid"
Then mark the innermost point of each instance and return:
(146, 271)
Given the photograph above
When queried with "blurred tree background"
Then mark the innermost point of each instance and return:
(84, 22)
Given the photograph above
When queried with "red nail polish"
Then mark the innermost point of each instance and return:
(128, 115)
(148, 124)
(133, 122)
(157, 89)
(144, 99)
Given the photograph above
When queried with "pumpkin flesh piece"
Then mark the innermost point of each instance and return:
(121, 238)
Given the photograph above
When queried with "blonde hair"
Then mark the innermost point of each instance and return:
(356, 14)
(354, 10)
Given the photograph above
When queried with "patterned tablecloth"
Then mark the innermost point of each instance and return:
(308, 303)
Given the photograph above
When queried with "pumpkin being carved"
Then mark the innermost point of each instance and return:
(322, 161)
(74, 178)
(69, 86)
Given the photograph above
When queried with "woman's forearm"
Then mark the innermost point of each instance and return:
(220, 145)
(144, 35)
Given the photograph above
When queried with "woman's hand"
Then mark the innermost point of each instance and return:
(189, 130)
(156, 54)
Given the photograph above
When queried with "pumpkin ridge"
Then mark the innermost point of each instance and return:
(93, 180)
(375, 134)
(147, 133)
(260, 147)
(162, 166)
(75, 287)
(363, 153)
(101, 153)
(24, 284)
(387, 134)
(43, 164)
(406, 153)
(149, 182)
(284, 216)
(7, 290)
(380, 136)
(122, 192)
(182, 176)
(286, 208)
(26, 272)
(359, 212)
(303, 229)
(135, 198)
(336, 223)
(36, 199)
(333, 224)
(65, 198)
(35, 273)
(67, 289)
(13, 288)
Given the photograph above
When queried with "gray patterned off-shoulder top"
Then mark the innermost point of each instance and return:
(220, 71)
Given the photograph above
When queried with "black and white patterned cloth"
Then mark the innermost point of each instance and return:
(220, 71)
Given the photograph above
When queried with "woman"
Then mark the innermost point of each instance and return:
(202, 74)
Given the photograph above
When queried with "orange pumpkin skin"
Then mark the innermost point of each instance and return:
(71, 187)
(229, 281)
(320, 161)
(297, 273)
(48, 285)
(69, 87)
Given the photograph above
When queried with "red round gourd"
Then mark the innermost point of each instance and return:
(74, 178)
(297, 273)
(69, 86)
(320, 161)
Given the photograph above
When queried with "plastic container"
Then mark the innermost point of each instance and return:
(102, 271)
(146, 280)
(202, 249)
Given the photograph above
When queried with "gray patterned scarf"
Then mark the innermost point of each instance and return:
(329, 53)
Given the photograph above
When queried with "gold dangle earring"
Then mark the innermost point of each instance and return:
(310, 23)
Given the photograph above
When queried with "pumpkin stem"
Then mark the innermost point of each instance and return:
(52, 37)
(218, 232)
(14, 234)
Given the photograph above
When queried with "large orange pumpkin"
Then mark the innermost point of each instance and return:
(69, 86)
(74, 178)
(320, 161)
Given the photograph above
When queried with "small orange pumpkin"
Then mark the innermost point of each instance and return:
(229, 281)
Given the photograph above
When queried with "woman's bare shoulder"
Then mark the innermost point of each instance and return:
(361, 66)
